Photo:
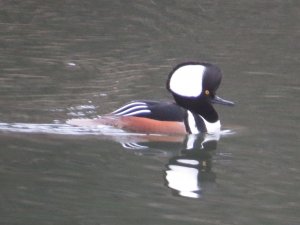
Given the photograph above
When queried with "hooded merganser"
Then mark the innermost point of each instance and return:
(193, 86)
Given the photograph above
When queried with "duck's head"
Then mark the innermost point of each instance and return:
(194, 85)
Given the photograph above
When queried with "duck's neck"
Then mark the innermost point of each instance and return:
(196, 124)
(206, 111)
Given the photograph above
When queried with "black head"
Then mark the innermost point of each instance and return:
(194, 85)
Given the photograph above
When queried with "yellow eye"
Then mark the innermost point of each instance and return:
(207, 92)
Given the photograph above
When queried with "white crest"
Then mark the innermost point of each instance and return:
(187, 80)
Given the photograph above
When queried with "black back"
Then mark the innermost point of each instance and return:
(164, 111)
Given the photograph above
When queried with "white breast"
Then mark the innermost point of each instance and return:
(210, 127)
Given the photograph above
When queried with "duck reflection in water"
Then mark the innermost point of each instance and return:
(187, 173)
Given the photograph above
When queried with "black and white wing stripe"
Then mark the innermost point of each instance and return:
(164, 111)
(133, 109)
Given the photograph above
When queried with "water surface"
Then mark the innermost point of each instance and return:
(69, 59)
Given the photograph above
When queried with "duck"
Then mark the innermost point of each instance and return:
(193, 86)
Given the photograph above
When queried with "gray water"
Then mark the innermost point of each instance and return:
(78, 59)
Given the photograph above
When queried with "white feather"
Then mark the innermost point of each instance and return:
(129, 105)
(192, 123)
(212, 127)
(137, 112)
(130, 110)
